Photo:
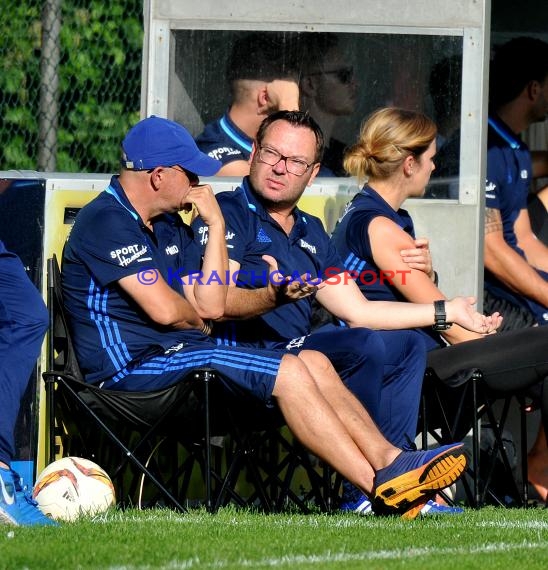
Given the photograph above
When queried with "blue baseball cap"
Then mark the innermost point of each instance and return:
(156, 142)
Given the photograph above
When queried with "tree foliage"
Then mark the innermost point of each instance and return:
(99, 82)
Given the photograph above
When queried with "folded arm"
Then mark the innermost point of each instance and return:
(394, 248)
(507, 265)
(161, 303)
(535, 251)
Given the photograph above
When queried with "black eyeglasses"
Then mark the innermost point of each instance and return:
(192, 178)
(344, 74)
(294, 166)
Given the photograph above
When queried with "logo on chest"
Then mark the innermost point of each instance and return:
(306, 245)
(172, 249)
(125, 255)
(262, 236)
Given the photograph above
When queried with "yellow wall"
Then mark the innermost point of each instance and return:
(55, 235)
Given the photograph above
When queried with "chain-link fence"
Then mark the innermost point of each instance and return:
(70, 82)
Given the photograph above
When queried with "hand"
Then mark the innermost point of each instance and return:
(288, 289)
(203, 198)
(461, 310)
(419, 257)
(282, 94)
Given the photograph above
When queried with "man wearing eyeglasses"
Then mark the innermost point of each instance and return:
(139, 297)
(279, 260)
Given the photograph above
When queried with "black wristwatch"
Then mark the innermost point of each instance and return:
(440, 317)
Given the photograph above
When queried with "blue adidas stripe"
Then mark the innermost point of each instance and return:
(234, 136)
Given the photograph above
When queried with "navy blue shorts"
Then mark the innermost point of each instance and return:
(253, 370)
(383, 369)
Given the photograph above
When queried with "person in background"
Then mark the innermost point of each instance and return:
(329, 91)
(140, 298)
(267, 235)
(23, 324)
(262, 78)
(395, 152)
(516, 261)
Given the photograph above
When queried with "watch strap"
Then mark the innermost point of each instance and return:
(440, 316)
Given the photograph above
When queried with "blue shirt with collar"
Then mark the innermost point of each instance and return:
(251, 233)
(351, 239)
(224, 141)
(509, 174)
(110, 241)
(384, 369)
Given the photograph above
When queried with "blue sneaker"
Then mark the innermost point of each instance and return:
(428, 507)
(16, 505)
(433, 508)
(402, 485)
(354, 501)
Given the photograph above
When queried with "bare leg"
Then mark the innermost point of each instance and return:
(537, 464)
(337, 430)
(363, 430)
(313, 420)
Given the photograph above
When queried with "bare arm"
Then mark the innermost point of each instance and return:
(540, 163)
(208, 295)
(342, 297)
(395, 250)
(418, 256)
(161, 303)
(235, 168)
(535, 251)
(507, 265)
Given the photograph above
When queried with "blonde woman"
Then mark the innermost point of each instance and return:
(395, 153)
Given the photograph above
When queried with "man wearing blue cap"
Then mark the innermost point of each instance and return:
(140, 299)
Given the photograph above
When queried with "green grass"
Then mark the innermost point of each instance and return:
(486, 539)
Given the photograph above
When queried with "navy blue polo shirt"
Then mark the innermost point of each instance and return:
(509, 174)
(351, 239)
(224, 141)
(110, 241)
(252, 233)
